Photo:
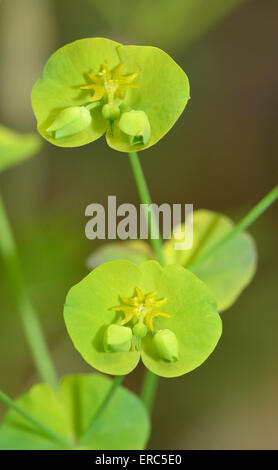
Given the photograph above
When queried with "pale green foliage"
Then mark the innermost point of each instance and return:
(15, 147)
(69, 412)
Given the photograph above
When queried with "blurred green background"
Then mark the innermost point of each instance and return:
(221, 155)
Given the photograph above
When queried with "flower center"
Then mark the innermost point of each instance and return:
(141, 309)
(110, 86)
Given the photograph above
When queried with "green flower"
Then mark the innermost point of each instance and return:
(227, 272)
(121, 312)
(134, 95)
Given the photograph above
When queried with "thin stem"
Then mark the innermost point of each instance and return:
(146, 199)
(149, 388)
(33, 421)
(26, 311)
(92, 427)
(150, 382)
(247, 220)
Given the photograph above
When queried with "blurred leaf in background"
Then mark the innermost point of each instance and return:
(16, 147)
(165, 23)
(70, 412)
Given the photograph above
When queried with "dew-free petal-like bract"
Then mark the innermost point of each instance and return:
(162, 94)
(16, 147)
(59, 87)
(229, 269)
(69, 412)
(123, 293)
(227, 272)
(108, 79)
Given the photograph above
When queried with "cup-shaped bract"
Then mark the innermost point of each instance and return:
(226, 272)
(108, 78)
(122, 293)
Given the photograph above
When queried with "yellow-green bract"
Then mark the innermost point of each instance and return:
(69, 412)
(226, 272)
(94, 72)
(189, 311)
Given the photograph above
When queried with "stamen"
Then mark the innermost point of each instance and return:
(141, 308)
(110, 85)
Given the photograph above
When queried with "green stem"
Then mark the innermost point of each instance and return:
(28, 316)
(146, 199)
(247, 220)
(150, 382)
(92, 427)
(149, 388)
(33, 421)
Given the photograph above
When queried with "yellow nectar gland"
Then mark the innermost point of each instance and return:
(141, 309)
(109, 85)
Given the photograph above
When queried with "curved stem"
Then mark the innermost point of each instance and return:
(91, 429)
(25, 308)
(33, 421)
(150, 382)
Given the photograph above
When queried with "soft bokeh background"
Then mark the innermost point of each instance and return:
(221, 155)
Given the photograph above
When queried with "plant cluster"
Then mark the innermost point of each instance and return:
(139, 302)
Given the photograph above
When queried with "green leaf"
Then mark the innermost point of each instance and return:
(123, 425)
(186, 20)
(161, 96)
(16, 147)
(230, 269)
(192, 309)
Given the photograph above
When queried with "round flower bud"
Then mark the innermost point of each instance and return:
(69, 122)
(110, 111)
(165, 345)
(140, 330)
(136, 125)
(117, 338)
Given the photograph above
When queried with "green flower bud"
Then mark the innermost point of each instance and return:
(165, 345)
(110, 111)
(69, 122)
(117, 338)
(140, 330)
(136, 125)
